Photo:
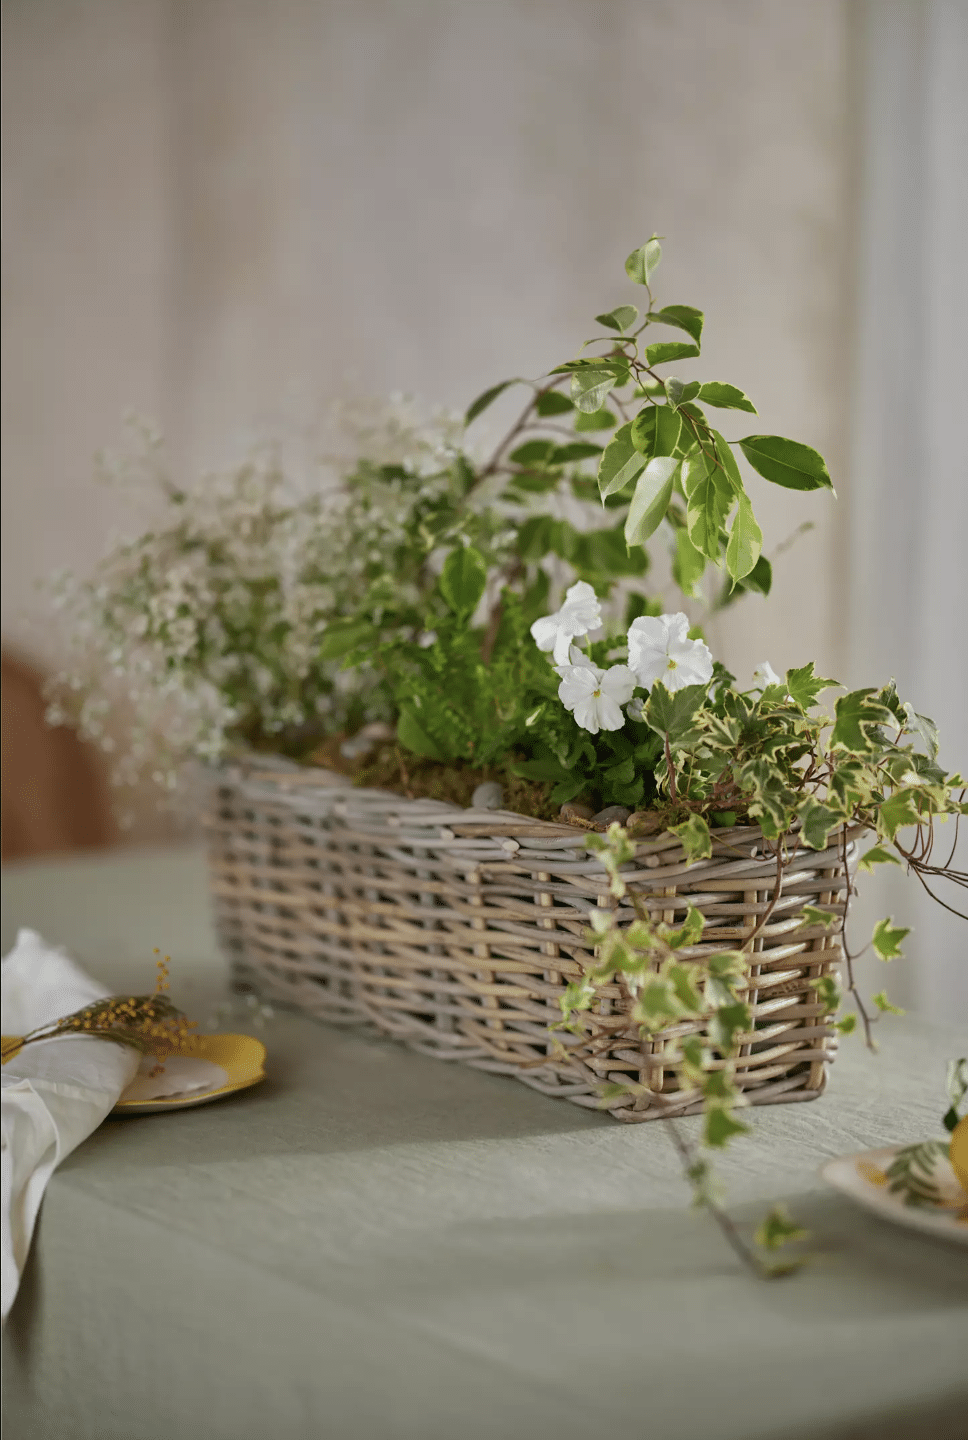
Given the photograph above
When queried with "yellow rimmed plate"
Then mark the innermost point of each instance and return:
(862, 1178)
(242, 1057)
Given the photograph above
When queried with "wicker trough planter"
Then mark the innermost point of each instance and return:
(456, 931)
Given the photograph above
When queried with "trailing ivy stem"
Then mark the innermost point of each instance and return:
(690, 1158)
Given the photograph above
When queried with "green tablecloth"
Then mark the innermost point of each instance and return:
(373, 1245)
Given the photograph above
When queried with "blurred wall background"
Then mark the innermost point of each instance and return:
(218, 213)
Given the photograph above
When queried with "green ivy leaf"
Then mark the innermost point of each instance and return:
(488, 398)
(886, 940)
(786, 462)
(620, 462)
(816, 823)
(828, 992)
(725, 397)
(897, 811)
(689, 932)
(726, 1023)
(651, 499)
(884, 1005)
(847, 1024)
(695, 838)
(683, 317)
(855, 713)
(665, 350)
(803, 686)
(721, 1127)
(877, 855)
(463, 579)
(924, 727)
(641, 264)
(812, 916)
(745, 540)
(620, 318)
(412, 736)
(672, 714)
(778, 1229)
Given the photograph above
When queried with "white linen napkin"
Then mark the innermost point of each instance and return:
(54, 1093)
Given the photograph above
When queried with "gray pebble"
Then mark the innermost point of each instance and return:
(611, 814)
(488, 796)
(574, 810)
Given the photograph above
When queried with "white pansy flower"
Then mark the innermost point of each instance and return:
(580, 613)
(765, 675)
(660, 649)
(595, 697)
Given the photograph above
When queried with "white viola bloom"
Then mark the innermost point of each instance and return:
(580, 613)
(660, 649)
(765, 675)
(594, 696)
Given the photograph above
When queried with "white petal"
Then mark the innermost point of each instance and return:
(562, 647)
(609, 715)
(677, 625)
(577, 683)
(764, 675)
(586, 714)
(617, 683)
(544, 632)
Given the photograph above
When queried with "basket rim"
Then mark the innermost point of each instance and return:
(282, 772)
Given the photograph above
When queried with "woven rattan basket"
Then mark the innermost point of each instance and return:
(456, 930)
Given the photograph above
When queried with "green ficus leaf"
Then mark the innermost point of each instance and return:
(532, 452)
(463, 579)
(662, 351)
(786, 462)
(620, 462)
(656, 430)
(688, 564)
(620, 318)
(487, 398)
(651, 499)
(678, 392)
(745, 541)
(552, 402)
(590, 387)
(725, 397)
(709, 500)
(640, 265)
(596, 420)
(683, 317)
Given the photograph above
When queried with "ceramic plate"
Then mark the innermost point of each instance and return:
(241, 1057)
(862, 1178)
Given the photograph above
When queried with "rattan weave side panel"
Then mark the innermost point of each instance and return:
(455, 931)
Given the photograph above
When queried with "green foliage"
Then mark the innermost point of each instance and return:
(887, 938)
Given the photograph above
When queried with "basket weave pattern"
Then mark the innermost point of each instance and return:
(457, 930)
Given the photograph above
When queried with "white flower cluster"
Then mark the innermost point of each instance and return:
(659, 648)
(207, 628)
